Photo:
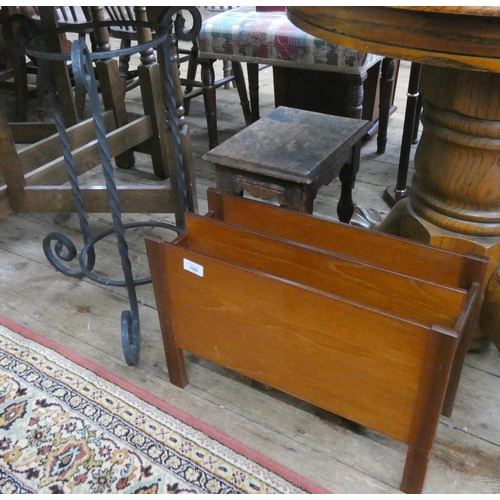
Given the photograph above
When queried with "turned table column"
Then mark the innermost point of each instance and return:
(455, 196)
(454, 201)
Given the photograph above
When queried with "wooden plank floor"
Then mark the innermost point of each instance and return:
(337, 455)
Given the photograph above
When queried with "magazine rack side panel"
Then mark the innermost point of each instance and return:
(339, 356)
(395, 294)
(413, 259)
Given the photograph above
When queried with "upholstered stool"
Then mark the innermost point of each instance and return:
(288, 155)
(269, 38)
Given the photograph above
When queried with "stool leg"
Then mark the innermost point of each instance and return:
(208, 83)
(386, 84)
(299, 198)
(347, 176)
(224, 181)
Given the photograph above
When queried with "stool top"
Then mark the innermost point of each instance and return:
(290, 144)
(269, 37)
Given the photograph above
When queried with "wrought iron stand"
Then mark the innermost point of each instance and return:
(58, 248)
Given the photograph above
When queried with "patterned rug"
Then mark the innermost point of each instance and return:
(68, 426)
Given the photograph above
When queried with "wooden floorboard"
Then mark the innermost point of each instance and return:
(335, 454)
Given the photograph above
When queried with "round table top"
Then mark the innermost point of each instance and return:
(465, 11)
(459, 37)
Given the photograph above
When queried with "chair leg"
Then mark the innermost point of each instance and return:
(253, 88)
(239, 79)
(59, 69)
(124, 60)
(393, 194)
(209, 97)
(355, 94)
(191, 74)
(21, 87)
(228, 71)
(208, 81)
(41, 92)
(386, 85)
(112, 85)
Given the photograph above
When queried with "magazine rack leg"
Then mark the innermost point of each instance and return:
(439, 358)
(174, 356)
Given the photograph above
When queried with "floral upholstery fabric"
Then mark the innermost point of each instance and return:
(245, 35)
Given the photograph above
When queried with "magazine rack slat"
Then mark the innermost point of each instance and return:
(249, 302)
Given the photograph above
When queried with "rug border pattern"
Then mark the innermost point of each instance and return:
(229, 449)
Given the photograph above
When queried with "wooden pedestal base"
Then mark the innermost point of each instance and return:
(403, 221)
(454, 201)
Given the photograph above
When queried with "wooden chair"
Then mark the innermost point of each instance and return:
(14, 69)
(278, 297)
(78, 19)
(126, 34)
(262, 37)
(192, 87)
(35, 176)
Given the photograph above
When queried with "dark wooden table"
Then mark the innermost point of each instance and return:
(455, 193)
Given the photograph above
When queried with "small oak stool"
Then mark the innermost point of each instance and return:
(288, 155)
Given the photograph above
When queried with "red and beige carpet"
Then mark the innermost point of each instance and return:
(68, 426)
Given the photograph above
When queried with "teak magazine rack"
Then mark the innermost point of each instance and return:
(321, 310)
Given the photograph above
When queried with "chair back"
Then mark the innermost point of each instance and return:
(121, 13)
(69, 14)
(124, 14)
